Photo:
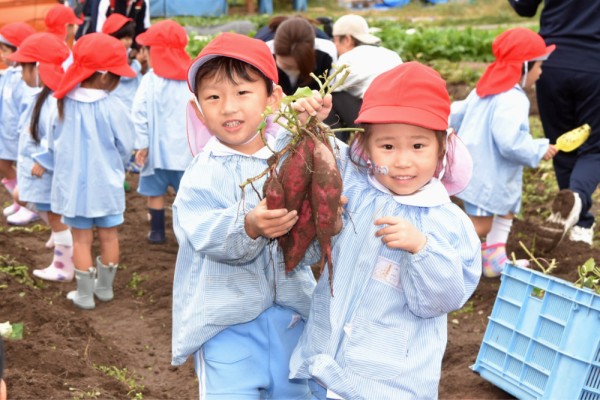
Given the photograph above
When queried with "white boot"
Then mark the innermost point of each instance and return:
(23, 216)
(83, 297)
(104, 284)
(61, 269)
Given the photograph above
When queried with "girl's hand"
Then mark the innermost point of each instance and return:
(269, 223)
(141, 156)
(400, 234)
(550, 153)
(37, 170)
(315, 106)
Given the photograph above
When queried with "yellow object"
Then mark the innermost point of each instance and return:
(571, 140)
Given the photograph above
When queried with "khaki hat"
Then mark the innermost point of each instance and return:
(355, 26)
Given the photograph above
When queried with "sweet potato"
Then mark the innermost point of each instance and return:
(273, 191)
(295, 173)
(300, 236)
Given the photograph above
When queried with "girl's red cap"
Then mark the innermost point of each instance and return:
(57, 19)
(511, 48)
(410, 93)
(14, 33)
(46, 49)
(91, 53)
(241, 47)
(114, 22)
(167, 40)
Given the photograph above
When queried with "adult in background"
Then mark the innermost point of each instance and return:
(568, 95)
(360, 51)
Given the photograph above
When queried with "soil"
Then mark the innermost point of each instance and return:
(122, 348)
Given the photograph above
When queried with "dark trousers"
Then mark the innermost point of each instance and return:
(568, 99)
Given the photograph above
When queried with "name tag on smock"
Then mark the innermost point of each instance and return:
(387, 272)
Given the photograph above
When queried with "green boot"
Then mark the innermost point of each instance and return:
(104, 284)
(83, 297)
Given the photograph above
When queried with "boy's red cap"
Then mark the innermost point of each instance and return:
(241, 47)
(114, 22)
(410, 93)
(57, 19)
(94, 52)
(511, 48)
(46, 49)
(14, 33)
(167, 40)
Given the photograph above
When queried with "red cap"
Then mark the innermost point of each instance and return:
(511, 48)
(57, 19)
(46, 49)
(410, 93)
(87, 60)
(114, 22)
(241, 47)
(14, 33)
(167, 40)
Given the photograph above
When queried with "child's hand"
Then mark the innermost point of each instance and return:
(269, 223)
(141, 156)
(37, 170)
(550, 153)
(400, 234)
(315, 106)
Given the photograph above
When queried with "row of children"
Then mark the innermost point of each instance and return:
(70, 140)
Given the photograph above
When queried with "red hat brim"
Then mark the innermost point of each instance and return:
(170, 63)
(51, 75)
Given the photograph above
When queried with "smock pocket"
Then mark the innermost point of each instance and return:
(233, 298)
(375, 351)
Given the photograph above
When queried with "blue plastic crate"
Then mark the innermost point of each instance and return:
(543, 338)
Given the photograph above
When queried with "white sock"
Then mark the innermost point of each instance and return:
(63, 238)
(500, 230)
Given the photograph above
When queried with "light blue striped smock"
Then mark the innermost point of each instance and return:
(88, 150)
(159, 119)
(495, 129)
(12, 88)
(127, 87)
(32, 188)
(222, 276)
(383, 334)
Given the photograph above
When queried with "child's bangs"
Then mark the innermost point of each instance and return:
(233, 71)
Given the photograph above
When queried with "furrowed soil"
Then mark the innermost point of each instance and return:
(122, 348)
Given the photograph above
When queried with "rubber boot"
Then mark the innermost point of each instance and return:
(83, 297)
(61, 269)
(157, 226)
(104, 284)
(22, 217)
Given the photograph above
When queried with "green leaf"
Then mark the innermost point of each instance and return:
(589, 266)
(300, 93)
(17, 331)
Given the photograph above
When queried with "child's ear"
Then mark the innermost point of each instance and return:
(195, 106)
(275, 98)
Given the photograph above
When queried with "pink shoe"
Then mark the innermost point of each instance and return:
(61, 269)
(22, 217)
(10, 210)
(494, 257)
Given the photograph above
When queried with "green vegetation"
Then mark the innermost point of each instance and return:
(126, 377)
(10, 266)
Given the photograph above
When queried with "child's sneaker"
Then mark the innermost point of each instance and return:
(581, 234)
(566, 208)
(22, 217)
(494, 258)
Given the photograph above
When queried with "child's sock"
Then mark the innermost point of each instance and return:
(500, 230)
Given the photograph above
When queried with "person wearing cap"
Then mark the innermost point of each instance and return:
(137, 10)
(493, 121)
(235, 310)
(90, 144)
(159, 118)
(568, 96)
(41, 56)
(62, 22)
(12, 92)
(410, 257)
(360, 51)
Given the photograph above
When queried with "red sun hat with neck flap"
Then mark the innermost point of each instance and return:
(47, 50)
(58, 18)
(114, 22)
(512, 48)
(168, 58)
(410, 93)
(241, 47)
(87, 60)
(14, 33)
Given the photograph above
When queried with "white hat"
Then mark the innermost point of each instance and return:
(355, 26)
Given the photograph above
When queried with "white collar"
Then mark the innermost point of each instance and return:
(217, 148)
(430, 195)
(87, 95)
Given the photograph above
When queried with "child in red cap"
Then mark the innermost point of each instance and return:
(159, 117)
(62, 22)
(234, 307)
(493, 121)
(90, 144)
(12, 90)
(41, 56)
(408, 257)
